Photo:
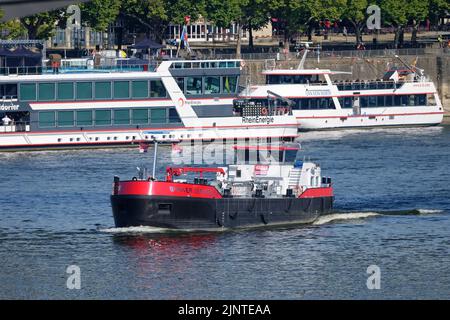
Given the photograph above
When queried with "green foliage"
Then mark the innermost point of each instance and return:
(224, 13)
(394, 12)
(438, 8)
(98, 14)
(42, 25)
(12, 29)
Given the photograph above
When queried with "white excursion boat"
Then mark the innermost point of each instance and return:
(178, 101)
(404, 97)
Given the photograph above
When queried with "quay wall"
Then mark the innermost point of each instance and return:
(437, 67)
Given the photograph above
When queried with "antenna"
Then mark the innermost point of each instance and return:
(302, 61)
(154, 159)
(411, 68)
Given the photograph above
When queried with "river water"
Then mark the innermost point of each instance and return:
(393, 211)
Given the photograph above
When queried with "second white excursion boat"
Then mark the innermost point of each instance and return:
(403, 97)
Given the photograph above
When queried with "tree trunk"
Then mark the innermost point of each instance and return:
(415, 30)
(310, 32)
(398, 31)
(401, 37)
(238, 41)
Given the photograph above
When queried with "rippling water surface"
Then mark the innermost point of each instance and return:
(392, 196)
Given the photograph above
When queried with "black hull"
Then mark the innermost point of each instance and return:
(209, 214)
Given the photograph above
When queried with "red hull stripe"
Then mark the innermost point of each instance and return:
(281, 125)
(317, 193)
(168, 189)
(112, 143)
(123, 100)
(372, 115)
(341, 95)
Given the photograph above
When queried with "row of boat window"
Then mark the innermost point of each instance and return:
(89, 90)
(347, 102)
(82, 118)
(409, 100)
(198, 85)
(136, 89)
(205, 65)
(366, 85)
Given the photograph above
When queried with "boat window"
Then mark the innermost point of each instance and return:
(411, 100)
(180, 82)
(420, 100)
(28, 91)
(84, 118)
(372, 101)
(363, 102)
(380, 101)
(157, 89)
(229, 84)
(139, 116)
(8, 90)
(122, 116)
(212, 85)
(140, 89)
(84, 90)
(103, 90)
(173, 116)
(121, 89)
(397, 101)
(46, 119)
(194, 85)
(404, 101)
(65, 91)
(46, 91)
(389, 101)
(65, 119)
(158, 115)
(102, 117)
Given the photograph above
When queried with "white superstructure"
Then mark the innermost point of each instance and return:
(404, 97)
(179, 101)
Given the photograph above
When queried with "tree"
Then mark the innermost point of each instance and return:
(99, 14)
(256, 15)
(224, 13)
(417, 11)
(354, 11)
(292, 16)
(438, 9)
(42, 25)
(395, 14)
(154, 16)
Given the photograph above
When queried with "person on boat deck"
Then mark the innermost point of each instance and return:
(6, 120)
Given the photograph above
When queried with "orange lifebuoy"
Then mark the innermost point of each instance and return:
(264, 111)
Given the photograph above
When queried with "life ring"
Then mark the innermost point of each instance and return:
(264, 111)
(181, 102)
